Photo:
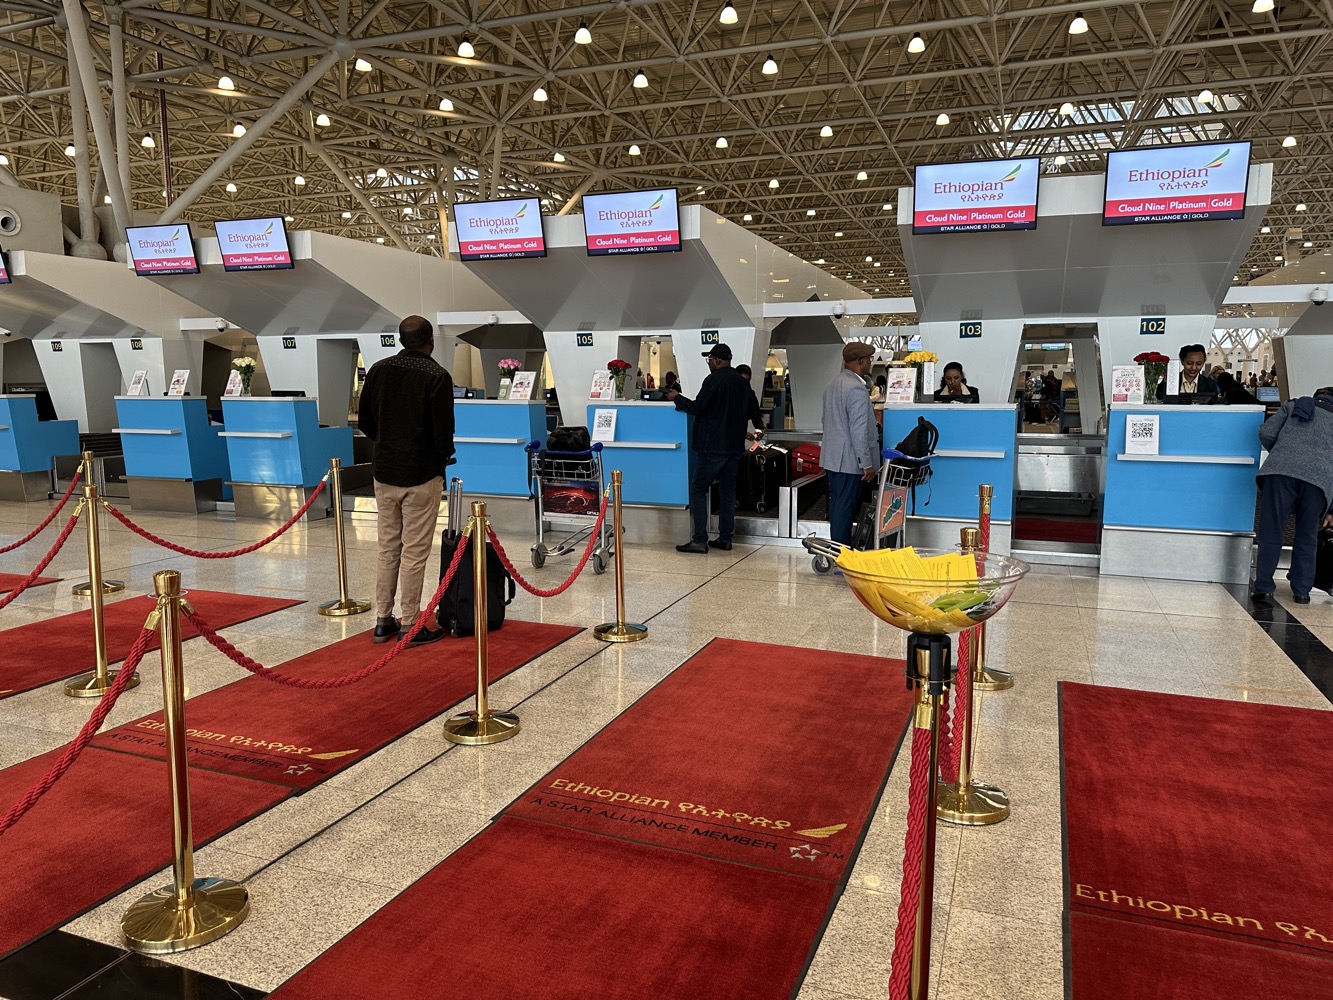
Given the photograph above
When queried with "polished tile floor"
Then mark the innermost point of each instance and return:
(319, 864)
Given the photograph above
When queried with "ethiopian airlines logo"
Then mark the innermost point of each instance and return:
(1012, 174)
(657, 204)
(268, 230)
(1218, 162)
(521, 212)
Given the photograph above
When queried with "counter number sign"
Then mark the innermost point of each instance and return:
(136, 344)
(583, 340)
(969, 329)
(1152, 324)
(707, 337)
(386, 340)
(289, 343)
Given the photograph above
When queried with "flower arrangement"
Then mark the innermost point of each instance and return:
(619, 370)
(918, 358)
(246, 366)
(1154, 370)
(508, 366)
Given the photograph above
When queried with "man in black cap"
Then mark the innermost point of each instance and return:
(721, 412)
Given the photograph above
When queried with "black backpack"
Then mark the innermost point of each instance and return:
(569, 438)
(457, 612)
(921, 440)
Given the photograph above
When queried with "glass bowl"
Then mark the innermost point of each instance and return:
(934, 606)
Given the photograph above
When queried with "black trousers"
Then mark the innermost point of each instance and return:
(1281, 495)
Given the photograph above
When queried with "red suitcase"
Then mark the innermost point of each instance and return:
(805, 461)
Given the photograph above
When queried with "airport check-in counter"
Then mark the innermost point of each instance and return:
(651, 448)
(278, 453)
(1186, 513)
(174, 460)
(489, 438)
(28, 447)
(977, 446)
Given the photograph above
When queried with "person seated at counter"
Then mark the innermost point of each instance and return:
(670, 382)
(1193, 382)
(954, 388)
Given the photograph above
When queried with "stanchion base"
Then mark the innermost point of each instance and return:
(473, 730)
(992, 680)
(87, 685)
(156, 926)
(977, 805)
(108, 587)
(351, 606)
(615, 632)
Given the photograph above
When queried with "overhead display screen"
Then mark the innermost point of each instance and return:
(254, 245)
(491, 230)
(1195, 183)
(977, 196)
(162, 249)
(632, 222)
(5, 279)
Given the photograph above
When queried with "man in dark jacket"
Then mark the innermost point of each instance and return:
(407, 410)
(721, 412)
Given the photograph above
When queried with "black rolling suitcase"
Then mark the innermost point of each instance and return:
(1323, 562)
(456, 613)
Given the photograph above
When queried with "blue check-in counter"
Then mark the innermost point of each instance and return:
(174, 460)
(28, 447)
(978, 445)
(1187, 512)
(489, 437)
(651, 448)
(278, 453)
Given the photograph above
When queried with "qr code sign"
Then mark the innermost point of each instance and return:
(605, 420)
(1141, 430)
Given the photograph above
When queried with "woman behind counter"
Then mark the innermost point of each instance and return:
(954, 388)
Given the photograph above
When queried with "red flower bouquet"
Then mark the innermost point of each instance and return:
(1154, 370)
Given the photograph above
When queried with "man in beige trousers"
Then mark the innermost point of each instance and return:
(407, 410)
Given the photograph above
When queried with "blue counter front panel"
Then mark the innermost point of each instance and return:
(28, 444)
(652, 451)
(977, 446)
(1203, 479)
(279, 440)
(489, 437)
(170, 438)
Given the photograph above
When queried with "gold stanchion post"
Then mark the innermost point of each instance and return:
(99, 680)
(191, 911)
(619, 630)
(925, 652)
(482, 726)
(344, 605)
(969, 802)
(984, 679)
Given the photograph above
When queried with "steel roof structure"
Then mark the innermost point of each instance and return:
(800, 120)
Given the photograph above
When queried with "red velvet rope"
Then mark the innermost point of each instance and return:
(555, 591)
(45, 561)
(49, 517)
(984, 522)
(145, 533)
(900, 968)
(325, 683)
(89, 730)
(951, 752)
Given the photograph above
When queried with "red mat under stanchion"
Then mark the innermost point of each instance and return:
(105, 825)
(693, 848)
(8, 581)
(43, 652)
(297, 737)
(1197, 814)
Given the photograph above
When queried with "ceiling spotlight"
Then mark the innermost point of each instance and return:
(861, 175)
(641, 80)
(231, 188)
(361, 66)
(916, 46)
(942, 119)
(809, 212)
(869, 259)
(347, 215)
(298, 180)
(886, 207)
(1277, 258)
(728, 15)
(877, 263)
(238, 130)
(1066, 109)
(1060, 160)
(583, 36)
(1265, 229)
(1078, 26)
(4, 160)
(1288, 142)
(721, 142)
(69, 150)
(226, 83)
(465, 49)
(446, 104)
(747, 217)
(379, 239)
(322, 121)
(1205, 96)
(1307, 244)
(826, 132)
(773, 184)
(558, 157)
(381, 173)
(770, 67)
(838, 233)
(1262, 6)
(148, 142)
(106, 200)
(1301, 207)
(634, 150)
(539, 95)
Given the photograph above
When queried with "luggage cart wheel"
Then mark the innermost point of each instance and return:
(822, 564)
(599, 563)
(539, 556)
(760, 507)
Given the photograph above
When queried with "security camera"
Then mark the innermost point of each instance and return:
(839, 310)
(1319, 296)
(492, 319)
(220, 324)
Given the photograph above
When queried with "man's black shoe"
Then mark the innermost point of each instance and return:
(717, 543)
(1261, 600)
(388, 631)
(1301, 598)
(427, 635)
(699, 547)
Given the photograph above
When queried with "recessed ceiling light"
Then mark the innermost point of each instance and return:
(148, 142)
(1079, 25)
(820, 261)
(361, 66)
(634, 150)
(1307, 244)
(1288, 142)
(558, 157)
(641, 79)
(942, 119)
(770, 67)
(322, 121)
(231, 188)
(238, 130)
(539, 95)
(1277, 258)
(465, 49)
(721, 142)
(583, 36)
(106, 199)
(226, 83)
(446, 104)
(288, 218)
(826, 132)
(728, 14)
(917, 44)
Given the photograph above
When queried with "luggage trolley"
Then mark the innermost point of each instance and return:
(567, 488)
(883, 521)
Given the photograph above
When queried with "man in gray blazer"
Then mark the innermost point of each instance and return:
(850, 450)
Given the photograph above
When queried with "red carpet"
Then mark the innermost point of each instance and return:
(1050, 530)
(43, 652)
(1196, 814)
(693, 848)
(254, 728)
(8, 581)
(104, 826)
